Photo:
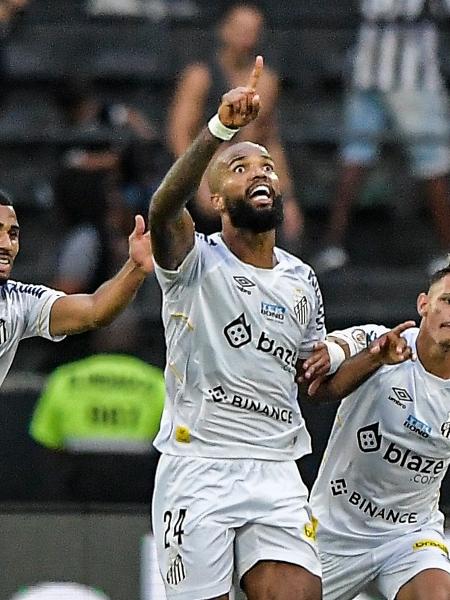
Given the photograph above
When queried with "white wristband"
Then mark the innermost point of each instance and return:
(219, 130)
(336, 354)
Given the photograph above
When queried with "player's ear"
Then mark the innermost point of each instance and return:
(422, 304)
(217, 202)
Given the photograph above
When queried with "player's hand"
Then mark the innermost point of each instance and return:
(317, 364)
(241, 105)
(139, 246)
(315, 368)
(391, 348)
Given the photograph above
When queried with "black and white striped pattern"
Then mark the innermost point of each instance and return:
(176, 572)
(397, 46)
(301, 309)
(3, 333)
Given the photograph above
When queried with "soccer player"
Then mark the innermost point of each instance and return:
(376, 496)
(239, 314)
(28, 310)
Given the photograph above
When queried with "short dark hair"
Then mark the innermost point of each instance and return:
(5, 199)
(438, 275)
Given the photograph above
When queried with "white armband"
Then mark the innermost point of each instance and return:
(336, 354)
(219, 130)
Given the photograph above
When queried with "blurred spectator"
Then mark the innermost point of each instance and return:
(98, 417)
(115, 7)
(94, 171)
(105, 165)
(201, 84)
(59, 591)
(396, 84)
(93, 217)
(154, 9)
(10, 10)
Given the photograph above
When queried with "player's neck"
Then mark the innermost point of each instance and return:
(434, 357)
(255, 249)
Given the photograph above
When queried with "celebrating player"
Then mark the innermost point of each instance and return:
(29, 310)
(239, 314)
(376, 496)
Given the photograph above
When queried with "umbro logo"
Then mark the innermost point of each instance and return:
(399, 396)
(243, 284)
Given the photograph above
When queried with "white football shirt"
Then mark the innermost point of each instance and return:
(234, 333)
(386, 457)
(24, 312)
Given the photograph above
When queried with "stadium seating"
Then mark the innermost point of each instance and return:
(137, 59)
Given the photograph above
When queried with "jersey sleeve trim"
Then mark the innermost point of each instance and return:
(43, 327)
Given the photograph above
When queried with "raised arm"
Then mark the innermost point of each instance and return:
(389, 349)
(171, 227)
(80, 312)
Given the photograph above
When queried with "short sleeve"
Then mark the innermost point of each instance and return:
(186, 273)
(38, 304)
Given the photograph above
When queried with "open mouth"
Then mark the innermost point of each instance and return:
(5, 262)
(261, 194)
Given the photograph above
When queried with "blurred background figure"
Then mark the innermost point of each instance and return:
(154, 9)
(10, 11)
(93, 174)
(97, 418)
(102, 180)
(395, 86)
(59, 591)
(200, 86)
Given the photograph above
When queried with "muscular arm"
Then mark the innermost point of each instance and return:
(353, 372)
(80, 312)
(391, 348)
(171, 226)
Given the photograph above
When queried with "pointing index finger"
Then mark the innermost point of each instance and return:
(403, 326)
(256, 73)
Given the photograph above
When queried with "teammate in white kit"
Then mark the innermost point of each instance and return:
(376, 496)
(240, 315)
(28, 310)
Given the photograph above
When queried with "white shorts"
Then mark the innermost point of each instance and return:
(383, 571)
(213, 516)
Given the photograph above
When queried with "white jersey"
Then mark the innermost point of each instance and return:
(24, 312)
(386, 457)
(234, 333)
